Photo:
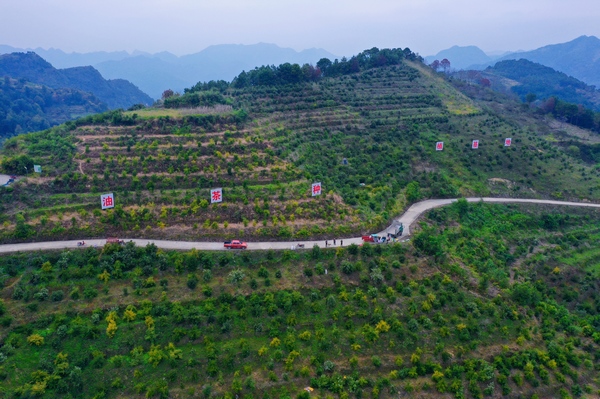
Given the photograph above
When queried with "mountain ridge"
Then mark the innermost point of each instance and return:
(154, 73)
(116, 93)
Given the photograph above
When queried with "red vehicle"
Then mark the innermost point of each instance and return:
(235, 244)
(113, 240)
(374, 238)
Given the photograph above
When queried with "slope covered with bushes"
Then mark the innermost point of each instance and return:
(368, 136)
(487, 301)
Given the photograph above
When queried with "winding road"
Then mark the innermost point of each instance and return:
(407, 219)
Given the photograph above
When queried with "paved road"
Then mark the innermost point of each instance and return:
(407, 219)
(4, 179)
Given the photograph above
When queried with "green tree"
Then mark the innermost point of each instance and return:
(413, 192)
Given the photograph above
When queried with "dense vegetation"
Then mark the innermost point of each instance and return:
(115, 93)
(544, 89)
(25, 107)
(487, 301)
(290, 74)
(546, 82)
(368, 136)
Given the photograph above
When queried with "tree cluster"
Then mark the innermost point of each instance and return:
(284, 74)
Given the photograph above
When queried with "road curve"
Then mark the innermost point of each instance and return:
(407, 219)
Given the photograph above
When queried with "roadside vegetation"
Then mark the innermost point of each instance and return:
(484, 301)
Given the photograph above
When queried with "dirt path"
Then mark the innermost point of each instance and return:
(407, 219)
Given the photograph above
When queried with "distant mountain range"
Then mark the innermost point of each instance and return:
(579, 58)
(154, 73)
(462, 57)
(35, 96)
(116, 93)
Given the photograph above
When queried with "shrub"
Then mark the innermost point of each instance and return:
(347, 267)
(192, 281)
(90, 293)
(328, 365)
(376, 361)
(74, 294)
(42, 294)
(236, 276)
(263, 272)
(35, 339)
(353, 249)
(57, 296)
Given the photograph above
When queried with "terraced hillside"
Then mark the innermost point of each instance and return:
(369, 137)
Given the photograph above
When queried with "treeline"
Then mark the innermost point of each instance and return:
(120, 118)
(205, 98)
(571, 113)
(285, 74)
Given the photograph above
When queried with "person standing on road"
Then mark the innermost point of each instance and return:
(334, 241)
(341, 243)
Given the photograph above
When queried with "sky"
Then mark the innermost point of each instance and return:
(342, 27)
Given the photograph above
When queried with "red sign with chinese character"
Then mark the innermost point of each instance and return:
(439, 146)
(216, 195)
(107, 201)
(316, 189)
(475, 144)
(507, 142)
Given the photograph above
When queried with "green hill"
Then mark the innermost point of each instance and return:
(265, 143)
(483, 301)
(116, 93)
(28, 107)
(544, 82)
(487, 301)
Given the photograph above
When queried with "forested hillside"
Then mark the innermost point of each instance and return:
(117, 93)
(486, 301)
(545, 82)
(27, 107)
(482, 301)
(365, 127)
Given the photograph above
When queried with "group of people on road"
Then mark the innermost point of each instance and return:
(334, 243)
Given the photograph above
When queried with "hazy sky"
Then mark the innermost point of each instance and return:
(343, 27)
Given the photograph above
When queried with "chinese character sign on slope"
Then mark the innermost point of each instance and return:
(316, 189)
(475, 144)
(107, 200)
(439, 146)
(507, 142)
(216, 195)
(37, 168)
